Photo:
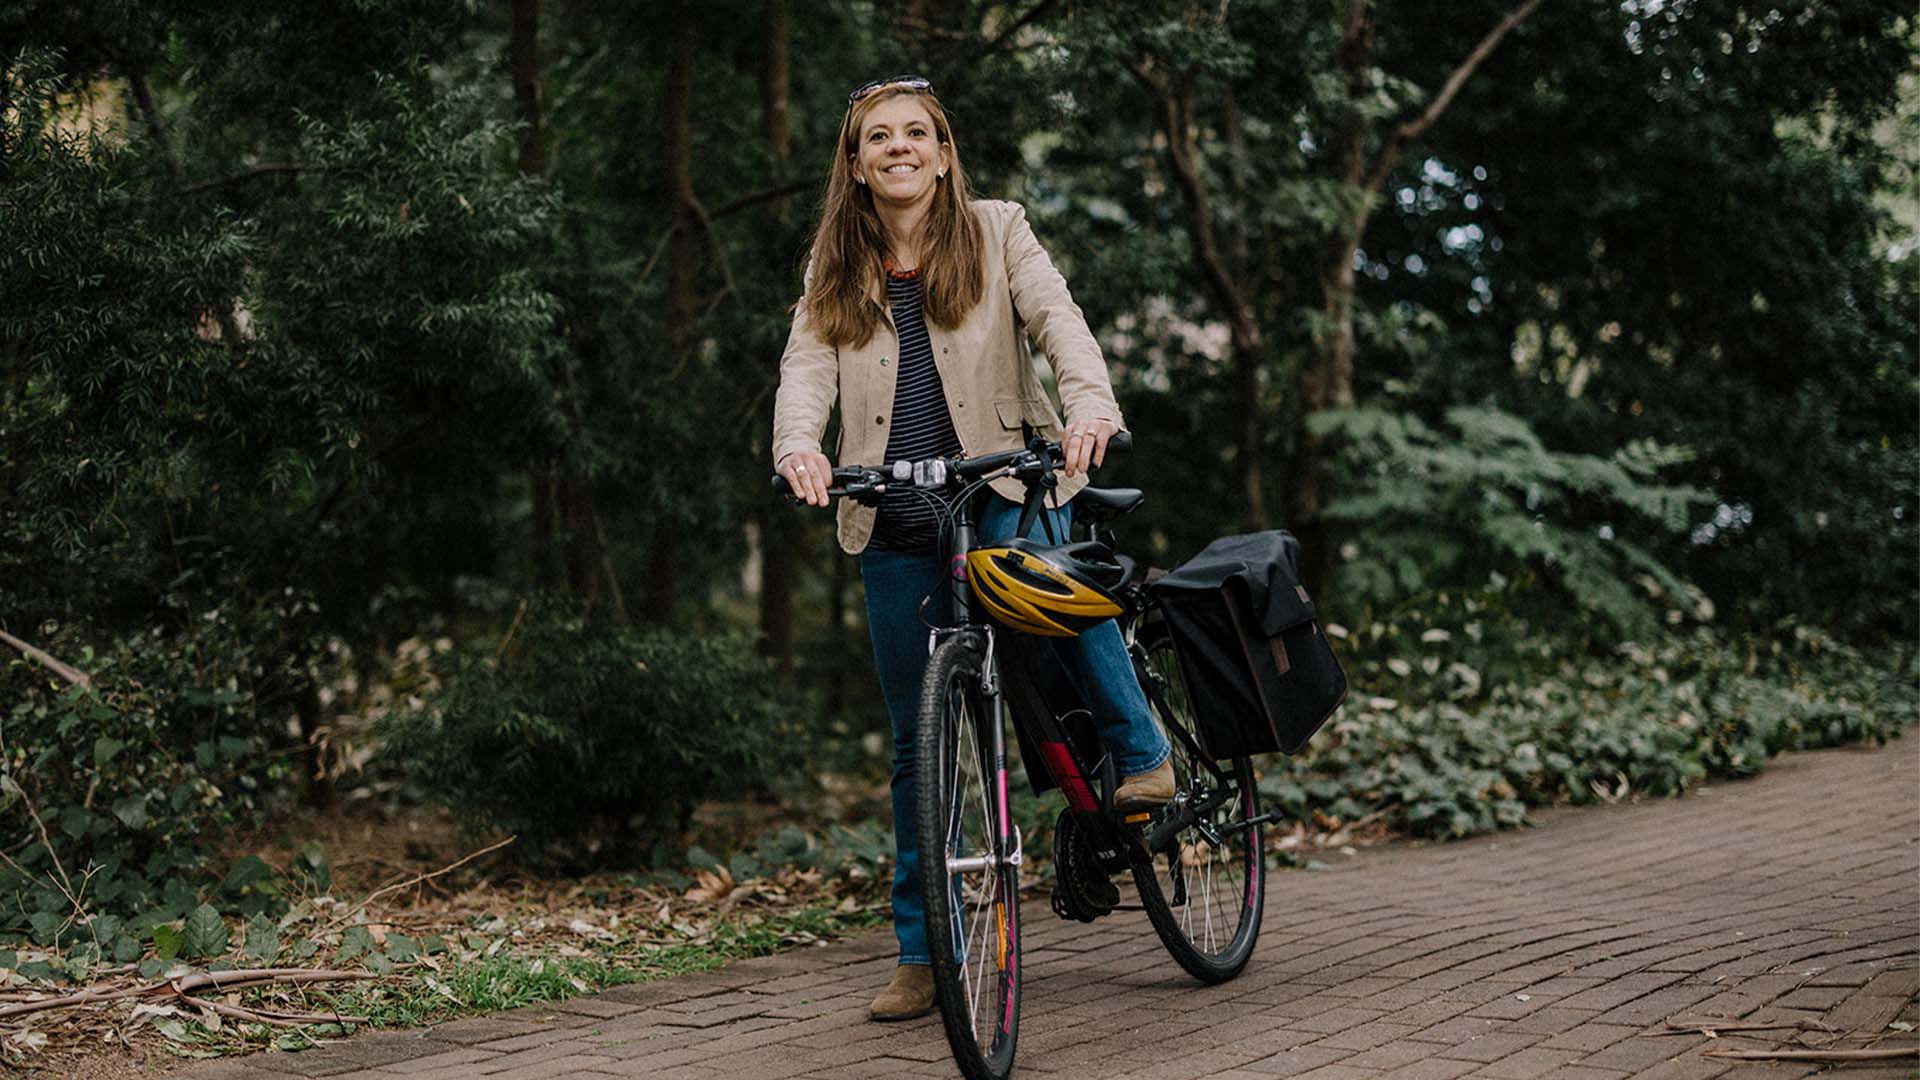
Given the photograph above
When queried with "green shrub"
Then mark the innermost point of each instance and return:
(134, 779)
(593, 745)
(1489, 502)
(1431, 743)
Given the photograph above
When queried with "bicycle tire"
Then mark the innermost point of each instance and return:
(1231, 890)
(973, 915)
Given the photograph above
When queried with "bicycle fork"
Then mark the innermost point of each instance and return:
(1006, 852)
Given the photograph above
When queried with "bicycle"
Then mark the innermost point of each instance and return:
(1196, 862)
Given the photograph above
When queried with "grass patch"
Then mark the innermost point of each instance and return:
(439, 989)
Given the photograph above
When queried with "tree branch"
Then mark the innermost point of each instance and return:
(1461, 74)
(714, 245)
(185, 985)
(1416, 127)
(758, 197)
(417, 879)
(270, 169)
(228, 318)
(157, 128)
(73, 676)
(1175, 101)
(1834, 1057)
(1000, 39)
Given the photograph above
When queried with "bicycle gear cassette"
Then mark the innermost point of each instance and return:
(1081, 889)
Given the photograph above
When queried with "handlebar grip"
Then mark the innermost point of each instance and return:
(836, 482)
(1121, 440)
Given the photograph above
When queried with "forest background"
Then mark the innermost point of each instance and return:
(385, 389)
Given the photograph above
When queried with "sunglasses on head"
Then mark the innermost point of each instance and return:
(910, 82)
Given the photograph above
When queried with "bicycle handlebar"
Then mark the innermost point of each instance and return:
(855, 481)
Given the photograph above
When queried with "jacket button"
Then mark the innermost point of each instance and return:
(879, 419)
(960, 404)
(883, 361)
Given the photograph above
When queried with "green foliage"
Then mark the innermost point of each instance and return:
(1644, 221)
(1491, 504)
(594, 744)
(1432, 745)
(136, 779)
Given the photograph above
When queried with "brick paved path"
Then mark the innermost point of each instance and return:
(1555, 952)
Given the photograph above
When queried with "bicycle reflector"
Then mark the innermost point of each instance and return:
(1054, 590)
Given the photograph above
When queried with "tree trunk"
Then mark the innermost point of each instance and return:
(524, 61)
(776, 34)
(561, 494)
(1225, 283)
(540, 482)
(683, 269)
(1327, 382)
(780, 532)
(1246, 361)
(527, 87)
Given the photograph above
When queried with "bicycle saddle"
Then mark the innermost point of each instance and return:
(1104, 504)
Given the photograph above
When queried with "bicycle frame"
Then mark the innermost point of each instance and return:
(1007, 674)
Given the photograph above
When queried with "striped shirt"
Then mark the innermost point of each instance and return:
(922, 427)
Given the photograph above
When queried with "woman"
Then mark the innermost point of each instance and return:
(913, 317)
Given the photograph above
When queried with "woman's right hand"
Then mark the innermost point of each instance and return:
(808, 473)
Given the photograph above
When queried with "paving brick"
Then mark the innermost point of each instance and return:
(1528, 1064)
(479, 1029)
(1590, 1037)
(1407, 962)
(1644, 1052)
(1431, 1069)
(1492, 1047)
(1297, 1060)
(444, 1059)
(1368, 1035)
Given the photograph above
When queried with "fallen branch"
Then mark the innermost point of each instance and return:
(85, 997)
(1833, 1057)
(228, 980)
(378, 893)
(186, 984)
(73, 675)
(1682, 1027)
(271, 1017)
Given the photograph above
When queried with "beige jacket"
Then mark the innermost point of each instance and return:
(984, 363)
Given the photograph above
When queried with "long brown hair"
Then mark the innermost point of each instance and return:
(852, 241)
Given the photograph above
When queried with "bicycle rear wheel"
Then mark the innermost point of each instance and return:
(968, 879)
(1204, 893)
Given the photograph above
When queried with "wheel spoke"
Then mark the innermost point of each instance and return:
(1212, 932)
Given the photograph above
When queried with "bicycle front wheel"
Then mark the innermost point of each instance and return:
(1205, 891)
(968, 877)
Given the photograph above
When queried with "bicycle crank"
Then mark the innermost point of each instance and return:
(1081, 889)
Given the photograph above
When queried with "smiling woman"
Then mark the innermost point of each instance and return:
(900, 159)
(918, 301)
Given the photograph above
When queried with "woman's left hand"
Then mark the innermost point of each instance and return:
(1086, 443)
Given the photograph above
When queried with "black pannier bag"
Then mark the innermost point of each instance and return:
(1259, 672)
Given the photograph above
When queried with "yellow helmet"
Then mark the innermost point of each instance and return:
(1054, 590)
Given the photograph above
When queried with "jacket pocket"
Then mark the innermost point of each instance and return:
(1013, 411)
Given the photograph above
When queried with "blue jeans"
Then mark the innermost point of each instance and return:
(1096, 662)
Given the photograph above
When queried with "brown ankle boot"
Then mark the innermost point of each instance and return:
(907, 997)
(1147, 790)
